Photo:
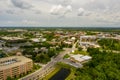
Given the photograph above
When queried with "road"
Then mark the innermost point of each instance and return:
(114, 51)
(39, 74)
(47, 68)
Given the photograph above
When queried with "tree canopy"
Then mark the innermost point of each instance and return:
(111, 44)
(103, 66)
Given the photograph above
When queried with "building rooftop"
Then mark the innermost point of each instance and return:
(35, 39)
(12, 61)
(86, 57)
(78, 57)
(81, 58)
(88, 36)
(12, 38)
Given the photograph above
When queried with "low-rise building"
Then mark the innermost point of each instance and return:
(80, 58)
(14, 66)
(35, 39)
(12, 38)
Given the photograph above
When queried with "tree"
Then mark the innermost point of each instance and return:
(103, 66)
(9, 78)
(111, 44)
(80, 49)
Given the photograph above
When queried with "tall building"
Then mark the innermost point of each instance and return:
(14, 66)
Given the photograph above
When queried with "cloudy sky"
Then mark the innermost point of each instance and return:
(79, 13)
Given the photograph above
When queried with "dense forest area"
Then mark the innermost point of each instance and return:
(103, 66)
(110, 44)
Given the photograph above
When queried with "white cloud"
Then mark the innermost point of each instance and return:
(55, 10)
(99, 11)
(81, 12)
(60, 10)
(69, 8)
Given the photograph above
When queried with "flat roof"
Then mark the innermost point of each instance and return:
(13, 61)
(78, 57)
(81, 58)
(11, 38)
(86, 57)
(87, 36)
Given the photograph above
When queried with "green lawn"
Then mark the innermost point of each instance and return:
(71, 76)
(66, 56)
(80, 52)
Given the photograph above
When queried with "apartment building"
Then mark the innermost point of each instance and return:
(14, 66)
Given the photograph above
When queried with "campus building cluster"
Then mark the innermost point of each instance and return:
(88, 41)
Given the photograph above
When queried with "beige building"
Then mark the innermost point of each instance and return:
(14, 66)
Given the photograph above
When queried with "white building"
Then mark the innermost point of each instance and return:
(80, 58)
(88, 41)
(35, 39)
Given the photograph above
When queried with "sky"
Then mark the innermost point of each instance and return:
(60, 13)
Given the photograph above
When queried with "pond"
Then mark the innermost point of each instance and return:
(62, 74)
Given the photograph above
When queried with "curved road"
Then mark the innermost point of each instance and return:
(47, 68)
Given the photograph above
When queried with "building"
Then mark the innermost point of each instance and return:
(11, 38)
(88, 41)
(80, 58)
(14, 66)
(35, 40)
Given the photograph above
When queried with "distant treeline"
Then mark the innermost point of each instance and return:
(67, 28)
